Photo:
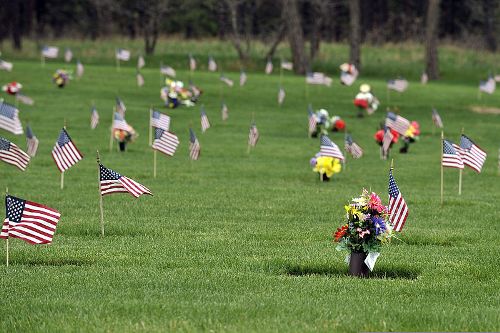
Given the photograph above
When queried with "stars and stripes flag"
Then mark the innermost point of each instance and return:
(9, 118)
(398, 210)
(288, 65)
(269, 67)
(450, 157)
(79, 68)
(471, 154)
(205, 124)
(352, 147)
(65, 153)
(386, 141)
(165, 142)
(313, 122)
(424, 78)
(398, 85)
(226, 80)
(94, 118)
(192, 63)
(194, 146)
(12, 154)
(224, 111)
(24, 99)
(212, 65)
(243, 78)
(253, 135)
(328, 148)
(140, 62)
(281, 95)
(30, 221)
(120, 106)
(31, 142)
(318, 78)
(397, 123)
(488, 86)
(6, 66)
(347, 79)
(140, 79)
(160, 120)
(119, 123)
(68, 55)
(112, 182)
(50, 52)
(122, 54)
(436, 119)
(167, 70)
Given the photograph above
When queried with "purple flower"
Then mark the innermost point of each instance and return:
(378, 225)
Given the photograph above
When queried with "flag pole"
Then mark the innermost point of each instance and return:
(442, 186)
(7, 239)
(460, 175)
(111, 130)
(99, 188)
(154, 163)
(150, 126)
(344, 162)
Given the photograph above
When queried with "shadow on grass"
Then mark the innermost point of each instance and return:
(378, 273)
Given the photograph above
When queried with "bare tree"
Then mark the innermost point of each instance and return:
(150, 15)
(355, 33)
(295, 36)
(243, 52)
(431, 58)
(489, 24)
(319, 8)
(280, 35)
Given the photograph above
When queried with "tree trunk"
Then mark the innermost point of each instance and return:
(489, 25)
(279, 38)
(355, 33)
(235, 38)
(431, 58)
(315, 38)
(295, 36)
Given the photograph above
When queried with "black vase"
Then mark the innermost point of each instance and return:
(357, 266)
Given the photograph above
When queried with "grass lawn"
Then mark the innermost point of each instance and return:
(243, 242)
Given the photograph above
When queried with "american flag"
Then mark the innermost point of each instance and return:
(398, 85)
(140, 62)
(30, 221)
(386, 141)
(122, 54)
(31, 142)
(50, 51)
(5, 65)
(167, 70)
(398, 210)
(120, 106)
(212, 65)
(288, 65)
(79, 68)
(224, 112)
(68, 55)
(436, 119)
(269, 67)
(65, 153)
(397, 123)
(112, 182)
(318, 78)
(347, 79)
(24, 99)
(11, 154)
(226, 80)
(165, 142)
(243, 78)
(119, 123)
(450, 157)
(160, 120)
(328, 148)
(253, 135)
(194, 146)
(94, 118)
(140, 79)
(352, 147)
(472, 155)
(192, 63)
(205, 124)
(9, 118)
(424, 78)
(312, 119)
(281, 95)
(488, 86)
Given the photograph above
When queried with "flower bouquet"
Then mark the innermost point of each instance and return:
(366, 230)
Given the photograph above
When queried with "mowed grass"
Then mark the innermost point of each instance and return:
(242, 242)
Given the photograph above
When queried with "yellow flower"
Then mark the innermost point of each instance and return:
(327, 165)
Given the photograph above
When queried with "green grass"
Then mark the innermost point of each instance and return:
(238, 242)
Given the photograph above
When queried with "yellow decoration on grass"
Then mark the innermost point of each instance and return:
(327, 165)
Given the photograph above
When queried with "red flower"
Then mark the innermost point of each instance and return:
(340, 233)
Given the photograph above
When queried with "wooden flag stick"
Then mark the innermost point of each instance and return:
(111, 130)
(154, 163)
(460, 176)
(442, 186)
(150, 126)
(7, 239)
(100, 195)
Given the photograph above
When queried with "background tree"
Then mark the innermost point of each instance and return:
(354, 33)
(295, 36)
(431, 54)
(489, 7)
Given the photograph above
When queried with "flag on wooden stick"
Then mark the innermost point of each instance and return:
(386, 142)
(269, 67)
(79, 69)
(120, 106)
(65, 153)
(313, 122)
(122, 54)
(160, 120)
(12, 154)
(281, 95)
(112, 182)
(167, 70)
(328, 148)
(205, 124)
(243, 78)
(399, 85)
(194, 146)
(488, 86)
(471, 154)
(140, 79)
(68, 55)
(5, 65)
(140, 62)
(397, 123)
(31, 142)
(212, 65)
(450, 157)
(224, 112)
(165, 142)
(24, 99)
(50, 52)
(192, 63)
(94, 118)
(398, 210)
(436, 119)
(352, 147)
(9, 118)
(253, 135)
(226, 80)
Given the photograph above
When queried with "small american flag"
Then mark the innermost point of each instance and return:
(50, 52)
(328, 148)
(226, 80)
(65, 153)
(436, 119)
(120, 106)
(112, 182)
(243, 78)
(488, 86)
(122, 54)
(212, 65)
(288, 65)
(269, 67)
(253, 135)
(94, 118)
(192, 63)
(140, 62)
(281, 95)
(472, 155)
(5, 65)
(424, 78)
(398, 85)
(398, 210)
(347, 79)
(24, 99)
(352, 147)
(312, 119)
(450, 157)
(119, 123)
(397, 123)
(30, 221)
(140, 79)
(224, 112)
(9, 118)
(318, 78)
(386, 142)
(79, 69)
(68, 55)
(11, 154)
(194, 146)
(205, 124)
(165, 142)
(31, 142)
(167, 70)
(160, 120)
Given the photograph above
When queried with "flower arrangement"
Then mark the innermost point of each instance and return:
(61, 77)
(326, 166)
(367, 227)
